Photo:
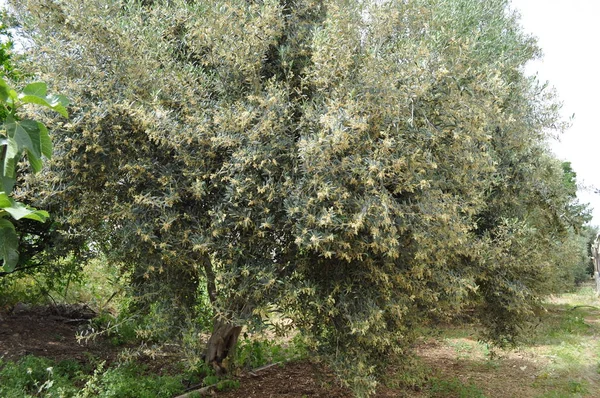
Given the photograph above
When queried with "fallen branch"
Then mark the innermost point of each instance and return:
(201, 391)
(76, 321)
(207, 389)
(253, 372)
(584, 306)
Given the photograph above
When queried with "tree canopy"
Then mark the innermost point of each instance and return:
(361, 167)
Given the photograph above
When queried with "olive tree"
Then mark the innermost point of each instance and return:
(361, 167)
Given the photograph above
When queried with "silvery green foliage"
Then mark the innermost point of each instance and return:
(362, 167)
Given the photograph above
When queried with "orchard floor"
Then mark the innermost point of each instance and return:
(49, 332)
(560, 359)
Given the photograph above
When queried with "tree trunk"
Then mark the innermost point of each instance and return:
(596, 259)
(225, 334)
(222, 343)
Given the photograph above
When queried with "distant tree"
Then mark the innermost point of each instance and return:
(590, 232)
(7, 49)
(362, 167)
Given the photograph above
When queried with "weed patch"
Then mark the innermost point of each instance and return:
(441, 388)
(35, 376)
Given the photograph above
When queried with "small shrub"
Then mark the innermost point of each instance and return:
(129, 381)
(254, 353)
(36, 376)
(226, 385)
(577, 387)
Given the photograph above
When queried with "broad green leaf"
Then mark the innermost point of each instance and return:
(45, 142)
(4, 90)
(10, 159)
(56, 106)
(6, 183)
(60, 108)
(27, 135)
(18, 210)
(33, 99)
(35, 162)
(56, 99)
(38, 89)
(16, 131)
(38, 215)
(5, 200)
(35, 93)
(8, 245)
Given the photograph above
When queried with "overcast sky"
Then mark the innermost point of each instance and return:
(569, 33)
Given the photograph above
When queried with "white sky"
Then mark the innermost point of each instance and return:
(568, 31)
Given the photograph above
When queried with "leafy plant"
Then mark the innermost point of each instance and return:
(7, 66)
(129, 381)
(227, 385)
(35, 376)
(20, 137)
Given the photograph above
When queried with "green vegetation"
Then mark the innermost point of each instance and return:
(19, 137)
(35, 377)
(255, 352)
(560, 358)
(349, 171)
(454, 388)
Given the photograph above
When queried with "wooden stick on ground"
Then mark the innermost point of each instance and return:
(208, 389)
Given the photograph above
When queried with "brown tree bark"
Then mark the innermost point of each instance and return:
(596, 259)
(224, 337)
(221, 344)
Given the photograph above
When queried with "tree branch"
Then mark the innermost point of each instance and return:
(210, 279)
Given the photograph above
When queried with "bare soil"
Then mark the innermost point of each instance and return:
(510, 376)
(300, 379)
(51, 332)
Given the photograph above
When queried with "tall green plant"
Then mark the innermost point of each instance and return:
(18, 138)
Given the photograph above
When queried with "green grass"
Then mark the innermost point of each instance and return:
(255, 352)
(454, 388)
(560, 356)
(35, 376)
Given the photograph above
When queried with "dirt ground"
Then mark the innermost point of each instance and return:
(52, 333)
(512, 376)
(301, 379)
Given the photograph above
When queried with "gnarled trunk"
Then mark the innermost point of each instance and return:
(221, 344)
(225, 334)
